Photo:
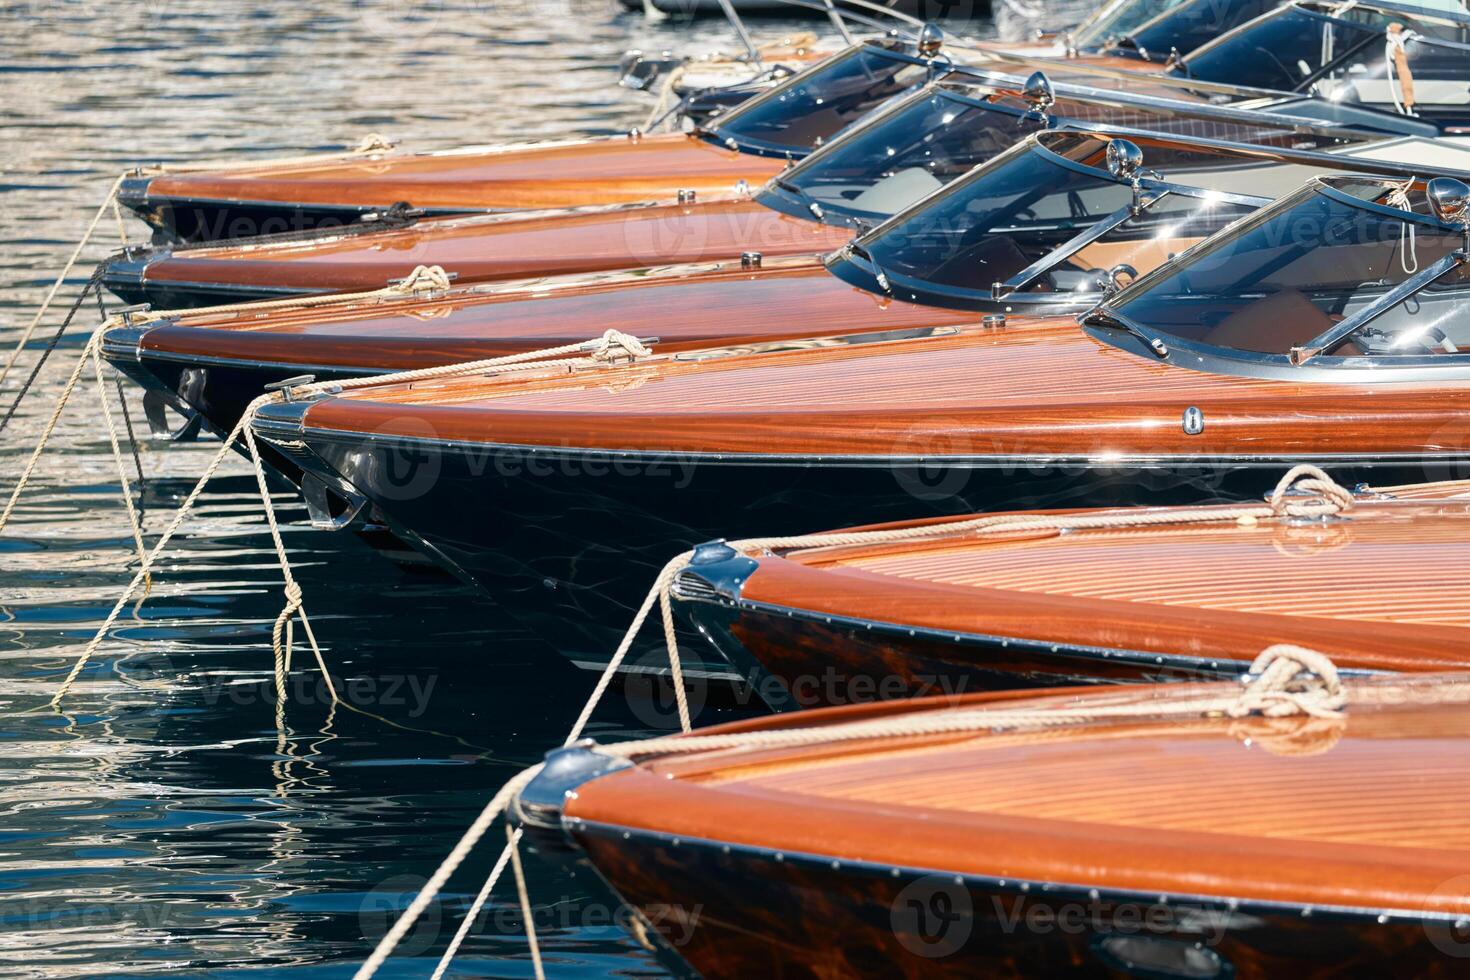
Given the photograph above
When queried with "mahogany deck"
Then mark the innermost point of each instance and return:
(789, 298)
(1034, 388)
(1376, 588)
(1319, 847)
(570, 174)
(496, 247)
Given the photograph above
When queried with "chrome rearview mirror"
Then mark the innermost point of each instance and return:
(1125, 163)
(931, 39)
(1449, 199)
(1038, 92)
(1124, 159)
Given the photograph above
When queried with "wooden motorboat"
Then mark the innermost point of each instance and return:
(1149, 32)
(1195, 598)
(1263, 346)
(1327, 54)
(787, 8)
(877, 167)
(1156, 841)
(749, 144)
(1353, 60)
(1050, 211)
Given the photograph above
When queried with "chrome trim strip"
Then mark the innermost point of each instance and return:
(1070, 247)
(1101, 461)
(297, 367)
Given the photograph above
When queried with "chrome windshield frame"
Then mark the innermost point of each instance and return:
(1326, 10)
(1302, 363)
(923, 291)
(960, 86)
(1148, 192)
(1339, 332)
(716, 132)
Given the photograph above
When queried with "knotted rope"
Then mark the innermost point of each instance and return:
(374, 143)
(423, 277)
(1278, 692)
(665, 105)
(1398, 197)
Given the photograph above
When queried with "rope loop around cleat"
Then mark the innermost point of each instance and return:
(1318, 494)
(1291, 680)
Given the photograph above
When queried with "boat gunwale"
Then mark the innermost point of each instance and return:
(298, 428)
(1219, 667)
(1021, 886)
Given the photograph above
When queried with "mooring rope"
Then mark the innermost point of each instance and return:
(665, 104)
(122, 470)
(1398, 197)
(372, 144)
(92, 284)
(613, 345)
(422, 279)
(71, 261)
(1400, 76)
(512, 841)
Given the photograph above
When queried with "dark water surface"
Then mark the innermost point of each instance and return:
(167, 819)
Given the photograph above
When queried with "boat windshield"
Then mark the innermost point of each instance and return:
(1187, 26)
(899, 158)
(808, 109)
(1117, 20)
(1440, 72)
(1289, 279)
(913, 149)
(1296, 47)
(1047, 219)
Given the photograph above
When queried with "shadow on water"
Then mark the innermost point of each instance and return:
(167, 819)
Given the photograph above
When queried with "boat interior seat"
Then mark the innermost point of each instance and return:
(1143, 254)
(1271, 325)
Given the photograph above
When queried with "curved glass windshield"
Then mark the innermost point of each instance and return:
(1190, 25)
(1118, 20)
(1293, 272)
(809, 108)
(915, 148)
(1441, 74)
(1052, 200)
(909, 153)
(1286, 51)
